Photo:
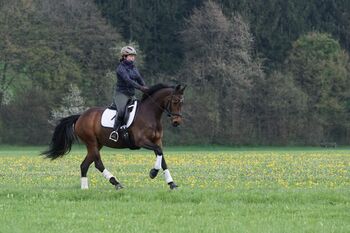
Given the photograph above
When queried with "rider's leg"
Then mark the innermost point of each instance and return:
(120, 101)
(118, 120)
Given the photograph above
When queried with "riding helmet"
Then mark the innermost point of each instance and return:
(127, 50)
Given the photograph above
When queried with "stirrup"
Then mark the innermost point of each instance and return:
(116, 135)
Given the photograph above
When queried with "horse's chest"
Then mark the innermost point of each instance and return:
(158, 134)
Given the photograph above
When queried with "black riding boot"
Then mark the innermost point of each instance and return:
(117, 123)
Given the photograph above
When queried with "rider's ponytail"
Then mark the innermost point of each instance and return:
(122, 58)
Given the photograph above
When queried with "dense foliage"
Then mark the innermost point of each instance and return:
(259, 72)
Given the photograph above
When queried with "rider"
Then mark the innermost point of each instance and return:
(128, 79)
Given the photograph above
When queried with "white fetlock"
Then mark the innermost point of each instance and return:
(84, 183)
(158, 163)
(167, 176)
(107, 174)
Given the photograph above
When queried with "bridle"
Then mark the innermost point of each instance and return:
(168, 110)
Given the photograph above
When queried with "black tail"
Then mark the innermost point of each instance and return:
(62, 138)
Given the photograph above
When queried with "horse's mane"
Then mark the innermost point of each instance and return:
(154, 89)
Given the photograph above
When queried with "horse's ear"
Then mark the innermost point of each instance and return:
(183, 89)
(180, 89)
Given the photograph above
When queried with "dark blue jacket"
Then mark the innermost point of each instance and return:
(128, 78)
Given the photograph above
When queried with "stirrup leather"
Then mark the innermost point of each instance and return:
(116, 135)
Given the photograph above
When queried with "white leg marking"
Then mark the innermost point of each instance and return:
(158, 163)
(107, 174)
(167, 176)
(84, 183)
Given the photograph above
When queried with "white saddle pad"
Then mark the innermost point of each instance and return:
(108, 116)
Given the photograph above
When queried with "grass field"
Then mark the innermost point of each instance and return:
(221, 190)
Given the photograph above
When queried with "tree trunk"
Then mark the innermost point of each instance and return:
(3, 84)
(1, 99)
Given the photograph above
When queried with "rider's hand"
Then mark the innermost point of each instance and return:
(144, 89)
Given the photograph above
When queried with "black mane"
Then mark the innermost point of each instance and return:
(154, 89)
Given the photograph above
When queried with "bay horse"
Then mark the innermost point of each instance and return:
(146, 131)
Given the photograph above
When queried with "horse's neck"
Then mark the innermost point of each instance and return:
(156, 103)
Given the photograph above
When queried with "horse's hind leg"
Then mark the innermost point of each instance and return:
(109, 176)
(84, 167)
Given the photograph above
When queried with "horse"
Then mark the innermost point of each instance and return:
(146, 132)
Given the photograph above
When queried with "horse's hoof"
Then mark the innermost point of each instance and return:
(153, 173)
(173, 186)
(119, 186)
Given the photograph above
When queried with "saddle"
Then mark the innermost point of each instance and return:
(109, 114)
(108, 117)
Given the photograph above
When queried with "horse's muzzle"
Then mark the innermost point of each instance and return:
(175, 124)
(176, 121)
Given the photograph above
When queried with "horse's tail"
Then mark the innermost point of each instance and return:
(63, 138)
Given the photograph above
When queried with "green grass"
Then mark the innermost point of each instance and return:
(222, 189)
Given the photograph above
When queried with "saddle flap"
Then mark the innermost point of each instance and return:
(108, 116)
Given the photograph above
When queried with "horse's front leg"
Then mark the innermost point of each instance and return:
(168, 179)
(160, 163)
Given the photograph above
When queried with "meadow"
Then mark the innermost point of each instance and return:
(221, 190)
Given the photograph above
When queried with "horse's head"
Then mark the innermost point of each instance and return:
(168, 99)
(174, 105)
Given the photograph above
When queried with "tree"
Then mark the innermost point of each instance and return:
(25, 119)
(85, 37)
(275, 24)
(278, 109)
(47, 45)
(12, 23)
(71, 104)
(321, 70)
(220, 64)
(155, 26)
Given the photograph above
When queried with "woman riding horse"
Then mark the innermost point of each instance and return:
(128, 78)
(146, 132)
